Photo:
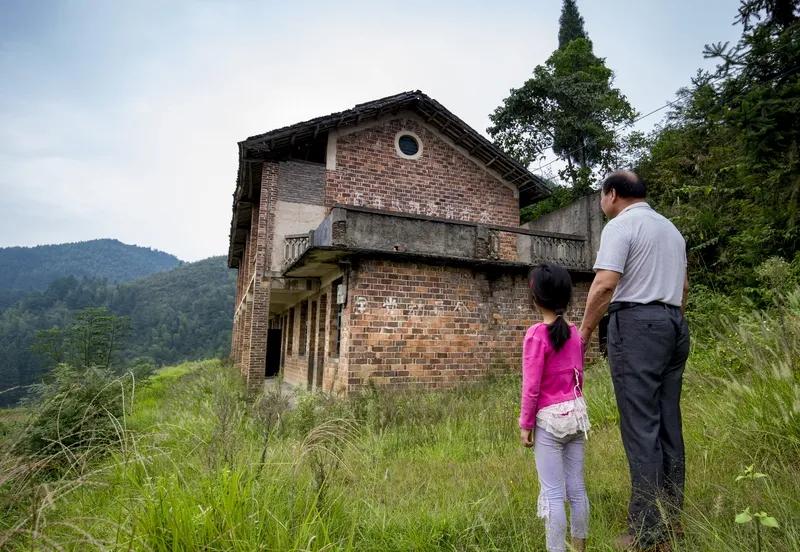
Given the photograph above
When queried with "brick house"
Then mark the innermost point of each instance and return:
(383, 244)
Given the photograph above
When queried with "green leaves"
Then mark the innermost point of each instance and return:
(767, 521)
(750, 474)
(569, 106)
(744, 517)
(726, 165)
(762, 517)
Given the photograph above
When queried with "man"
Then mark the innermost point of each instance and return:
(640, 278)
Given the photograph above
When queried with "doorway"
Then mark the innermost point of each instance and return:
(273, 352)
(312, 341)
(320, 353)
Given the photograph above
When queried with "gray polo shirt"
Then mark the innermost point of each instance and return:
(648, 251)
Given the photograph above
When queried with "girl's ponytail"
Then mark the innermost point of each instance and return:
(558, 331)
(551, 288)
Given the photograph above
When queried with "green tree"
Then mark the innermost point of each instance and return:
(90, 340)
(569, 106)
(570, 24)
(726, 165)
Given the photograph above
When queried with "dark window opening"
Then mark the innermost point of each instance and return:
(290, 332)
(408, 145)
(301, 347)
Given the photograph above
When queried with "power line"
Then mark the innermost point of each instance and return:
(637, 119)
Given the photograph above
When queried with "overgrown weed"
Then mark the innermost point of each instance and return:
(198, 466)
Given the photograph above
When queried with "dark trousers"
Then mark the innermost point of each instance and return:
(647, 350)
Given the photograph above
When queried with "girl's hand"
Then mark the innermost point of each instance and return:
(526, 436)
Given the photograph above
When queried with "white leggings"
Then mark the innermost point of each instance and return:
(559, 463)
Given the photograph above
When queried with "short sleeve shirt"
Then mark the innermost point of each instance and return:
(648, 251)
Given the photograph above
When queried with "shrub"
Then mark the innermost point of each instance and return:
(76, 412)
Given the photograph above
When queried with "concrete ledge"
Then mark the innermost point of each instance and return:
(352, 231)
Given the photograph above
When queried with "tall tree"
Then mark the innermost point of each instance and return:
(570, 24)
(726, 166)
(569, 106)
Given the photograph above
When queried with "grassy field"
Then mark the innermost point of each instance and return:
(198, 466)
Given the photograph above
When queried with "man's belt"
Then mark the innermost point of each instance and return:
(622, 305)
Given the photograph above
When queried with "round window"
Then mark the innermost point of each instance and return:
(408, 145)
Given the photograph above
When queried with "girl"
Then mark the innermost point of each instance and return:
(553, 416)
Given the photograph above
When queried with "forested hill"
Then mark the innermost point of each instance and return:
(183, 313)
(34, 268)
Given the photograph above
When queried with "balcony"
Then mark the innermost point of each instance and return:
(295, 245)
(350, 231)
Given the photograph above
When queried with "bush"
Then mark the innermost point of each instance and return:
(76, 412)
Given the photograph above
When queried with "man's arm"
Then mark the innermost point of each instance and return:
(685, 293)
(600, 293)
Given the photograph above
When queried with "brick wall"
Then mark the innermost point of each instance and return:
(404, 323)
(249, 335)
(295, 365)
(436, 326)
(443, 182)
(301, 182)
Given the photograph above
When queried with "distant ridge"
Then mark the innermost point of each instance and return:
(179, 314)
(25, 269)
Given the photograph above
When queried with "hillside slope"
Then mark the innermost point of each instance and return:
(34, 268)
(180, 314)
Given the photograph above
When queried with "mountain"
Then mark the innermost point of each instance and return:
(24, 269)
(181, 314)
(185, 313)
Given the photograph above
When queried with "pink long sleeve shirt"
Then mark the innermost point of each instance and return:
(548, 376)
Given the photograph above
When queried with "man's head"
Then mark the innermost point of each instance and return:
(619, 190)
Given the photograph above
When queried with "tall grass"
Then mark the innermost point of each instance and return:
(198, 466)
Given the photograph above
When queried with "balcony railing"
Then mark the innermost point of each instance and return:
(294, 246)
(349, 229)
(568, 252)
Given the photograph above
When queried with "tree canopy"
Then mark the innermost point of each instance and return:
(181, 314)
(569, 106)
(570, 24)
(726, 165)
(34, 268)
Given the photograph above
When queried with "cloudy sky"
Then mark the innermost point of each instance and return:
(120, 119)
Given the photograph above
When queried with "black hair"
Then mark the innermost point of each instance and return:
(626, 184)
(551, 288)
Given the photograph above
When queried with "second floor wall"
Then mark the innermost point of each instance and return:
(300, 204)
(365, 168)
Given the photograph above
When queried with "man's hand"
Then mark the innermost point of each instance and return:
(526, 436)
(600, 293)
(586, 338)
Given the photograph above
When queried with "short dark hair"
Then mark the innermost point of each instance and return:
(626, 184)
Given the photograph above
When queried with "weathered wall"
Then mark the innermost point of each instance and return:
(432, 326)
(252, 361)
(295, 365)
(293, 218)
(442, 182)
(583, 217)
(301, 182)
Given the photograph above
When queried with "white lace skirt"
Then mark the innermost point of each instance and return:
(564, 418)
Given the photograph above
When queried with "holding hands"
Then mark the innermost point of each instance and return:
(526, 436)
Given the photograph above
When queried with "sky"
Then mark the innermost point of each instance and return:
(120, 119)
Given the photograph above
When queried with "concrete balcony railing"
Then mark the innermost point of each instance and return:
(294, 246)
(569, 252)
(353, 230)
